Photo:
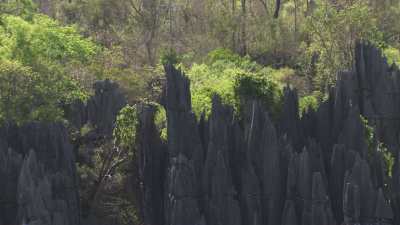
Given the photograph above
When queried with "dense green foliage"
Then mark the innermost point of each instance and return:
(259, 86)
(234, 79)
(24, 96)
(333, 33)
(314, 38)
(36, 55)
(41, 41)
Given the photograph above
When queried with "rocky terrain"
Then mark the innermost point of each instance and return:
(323, 168)
(37, 166)
(320, 169)
(37, 163)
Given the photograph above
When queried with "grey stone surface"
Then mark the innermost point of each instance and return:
(315, 170)
(185, 154)
(42, 186)
(101, 109)
(152, 157)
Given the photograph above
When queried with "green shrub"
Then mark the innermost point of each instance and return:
(308, 102)
(207, 81)
(370, 137)
(125, 127)
(127, 122)
(392, 55)
(222, 54)
(160, 120)
(259, 86)
(233, 77)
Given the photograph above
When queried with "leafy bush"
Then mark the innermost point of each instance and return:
(125, 127)
(259, 86)
(127, 122)
(208, 80)
(308, 102)
(392, 55)
(223, 54)
(233, 77)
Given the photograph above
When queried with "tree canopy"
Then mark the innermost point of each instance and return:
(37, 55)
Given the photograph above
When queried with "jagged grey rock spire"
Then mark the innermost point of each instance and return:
(315, 170)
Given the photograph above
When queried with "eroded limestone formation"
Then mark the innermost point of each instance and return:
(315, 170)
(37, 167)
(100, 110)
(37, 162)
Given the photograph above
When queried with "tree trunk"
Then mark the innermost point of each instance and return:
(243, 45)
(234, 30)
(151, 26)
(295, 19)
(277, 8)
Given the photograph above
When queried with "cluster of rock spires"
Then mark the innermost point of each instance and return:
(319, 169)
(39, 183)
(37, 163)
(315, 170)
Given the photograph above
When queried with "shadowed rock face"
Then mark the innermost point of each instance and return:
(37, 167)
(185, 155)
(314, 170)
(37, 163)
(152, 156)
(100, 110)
